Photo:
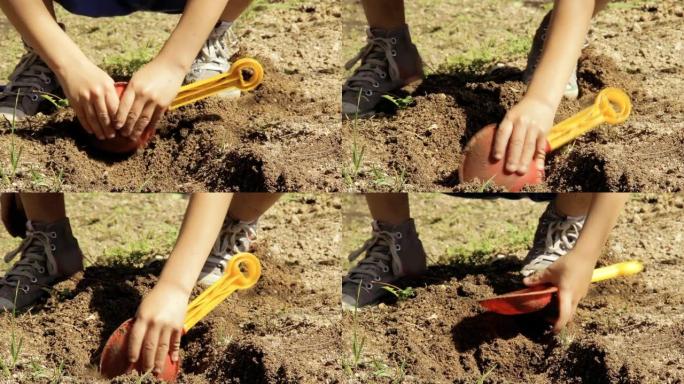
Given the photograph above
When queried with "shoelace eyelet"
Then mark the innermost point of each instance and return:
(398, 235)
(394, 53)
(53, 235)
(34, 280)
(397, 247)
(377, 278)
(368, 92)
(53, 247)
(34, 97)
(385, 268)
(393, 41)
(26, 289)
(376, 84)
(41, 270)
(369, 286)
(383, 75)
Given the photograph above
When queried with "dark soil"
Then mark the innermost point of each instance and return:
(627, 330)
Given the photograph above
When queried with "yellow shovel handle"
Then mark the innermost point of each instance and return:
(244, 74)
(625, 268)
(243, 272)
(611, 106)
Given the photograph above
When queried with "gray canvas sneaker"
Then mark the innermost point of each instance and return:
(235, 237)
(556, 235)
(392, 252)
(28, 82)
(571, 88)
(389, 61)
(48, 254)
(214, 58)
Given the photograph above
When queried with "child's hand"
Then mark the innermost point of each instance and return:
(92, 94)
(523, 131)
(572, 275)
(147, 96)
(158, 327)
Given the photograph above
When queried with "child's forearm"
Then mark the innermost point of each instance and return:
(601, 218)
(197, 22)
(564, 41)
(37, 26)
(201, 225)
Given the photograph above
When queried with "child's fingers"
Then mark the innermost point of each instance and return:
(112, 101)
(133, 116)
(529, 148)
(540, 153)
(93, 120)
(125, 105)
(80, 115)
(149, 347)
(503, 133)
(162, 349)
(144, 120)
(103, 117)
(135, 340)
(174, 349)
(541, 277)
(565, 310)
(515, 145)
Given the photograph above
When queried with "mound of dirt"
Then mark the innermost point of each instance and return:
(626, 331)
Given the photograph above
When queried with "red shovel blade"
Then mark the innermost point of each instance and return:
(114, 360)
(479, 163)
(121, 144)
(520, 302)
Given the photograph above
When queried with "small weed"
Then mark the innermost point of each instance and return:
(15, 155)
(349, 365)
(57, 373)
(55, 100)
(399, 293)
(350, 173)
(485, 375)
(15, 344)
(400, 102)
(380, 369)
(565, 338)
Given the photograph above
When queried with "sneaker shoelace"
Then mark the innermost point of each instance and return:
(31, 75)
(561, 237)
(214, 53)
(235, 237)
(377, 57)
(381, 251)
(36, 254)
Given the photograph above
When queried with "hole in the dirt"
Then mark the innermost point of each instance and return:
(581, 170)
(583, 362)
(237, 363)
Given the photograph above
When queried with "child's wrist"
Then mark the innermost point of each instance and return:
(542, 98)
(175, 62)
(175, 285)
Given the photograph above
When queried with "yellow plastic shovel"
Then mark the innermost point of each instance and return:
(534, 299)
(243, 272)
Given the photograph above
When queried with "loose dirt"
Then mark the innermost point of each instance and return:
(633, 46)
(285, 330)
(284, 136)
(627, 330)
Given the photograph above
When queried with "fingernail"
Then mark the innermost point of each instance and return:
(497, 156)
(112, 135)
